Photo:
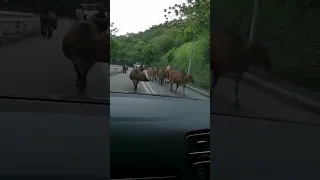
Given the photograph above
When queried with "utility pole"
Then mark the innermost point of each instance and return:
(254, 30)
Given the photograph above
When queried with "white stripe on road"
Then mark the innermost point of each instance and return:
(145, 87)
(150, 88)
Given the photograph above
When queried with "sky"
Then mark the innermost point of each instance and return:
(132, 16)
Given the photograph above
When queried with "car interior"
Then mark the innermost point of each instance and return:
(54, 138)
(159, 137)
(152, 137)
(148, 137)
(258, 148)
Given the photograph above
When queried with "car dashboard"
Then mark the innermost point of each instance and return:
(159, 137)
(44, 138)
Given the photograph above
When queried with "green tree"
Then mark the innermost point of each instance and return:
(171, 41)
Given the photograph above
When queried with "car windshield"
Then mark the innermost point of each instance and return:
(158, 41)
(36, 60)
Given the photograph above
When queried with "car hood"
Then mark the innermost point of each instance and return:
(146, 105)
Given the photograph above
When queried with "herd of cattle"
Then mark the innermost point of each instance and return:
(230, 56)
(86, 43)
(160, 75)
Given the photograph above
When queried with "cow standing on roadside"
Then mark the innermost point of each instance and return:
(84, 46)
(150, 73)
(48, 23)
(180, 79)
(162, 75)
(156, 74)
(231, 56)
(141, 68)
(168, 70)
(136, 76)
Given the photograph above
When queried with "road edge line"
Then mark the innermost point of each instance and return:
(145, 87)
(285, 94)
(150, 88)
(198, 91)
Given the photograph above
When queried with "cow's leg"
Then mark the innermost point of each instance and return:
(83, 77)
(78, 72)
(49, 32)
(42, 30)
(184, 87)
(171, 84)
(176, 88)
(236, 90)
(135, 85)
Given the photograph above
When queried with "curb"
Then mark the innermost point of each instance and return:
(282, 94)
(114, 72)
(198, 91)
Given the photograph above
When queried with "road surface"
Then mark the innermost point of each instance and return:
(254, 102)
(122, 83)
(251, 149)
(38, 67)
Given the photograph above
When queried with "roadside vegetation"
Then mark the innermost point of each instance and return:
(185, 35)
(289, 28)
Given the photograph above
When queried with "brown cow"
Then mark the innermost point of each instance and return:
(168, 71)
(179, 78)
(101, 22)
(84, 46)
(150, 73)
(141, 68)
(230, 56)
(162, 75)
(136, 76)
(156, 74)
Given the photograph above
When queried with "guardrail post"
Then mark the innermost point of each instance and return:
(17, 22)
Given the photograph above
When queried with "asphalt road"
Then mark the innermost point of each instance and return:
(257, 103)
(38, 67)
(280, 146)
(122, 83)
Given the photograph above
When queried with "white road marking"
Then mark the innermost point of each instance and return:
(150, 88)
(145, 87)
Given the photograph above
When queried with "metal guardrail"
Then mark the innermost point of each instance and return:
(115, 69)
(12, 23)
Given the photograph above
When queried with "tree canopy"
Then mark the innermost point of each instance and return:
(171, 42)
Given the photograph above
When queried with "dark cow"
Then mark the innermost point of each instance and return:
(231, 56)
(136, 76)
(84, 45)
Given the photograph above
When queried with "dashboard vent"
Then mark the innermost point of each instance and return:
(198, 148)
(198, 143)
